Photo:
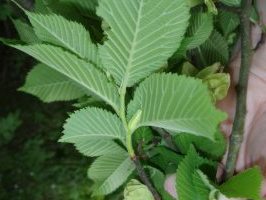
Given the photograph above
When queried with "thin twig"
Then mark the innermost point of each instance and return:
(239, 122)
(145, 179)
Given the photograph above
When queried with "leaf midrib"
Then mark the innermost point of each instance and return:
(132, 50)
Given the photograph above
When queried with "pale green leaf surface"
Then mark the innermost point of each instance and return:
(49, 85)
(71, 35)
(96, 147)
(176, 103)
(143, 34)
(82, 73)
(247, 184)
(92, 123)
(110, 172)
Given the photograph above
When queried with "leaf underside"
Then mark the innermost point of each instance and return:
(80, 72)
(49, 85)
(110, 171)
(184, 107)
(142, 35)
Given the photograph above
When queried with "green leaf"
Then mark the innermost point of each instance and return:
(92, 131)
(25, 32)
(80, 72)
(59, 31)
(228, 22)
(165, 159)
(200, 29)
(94, 147)
(202, 190)
(143, 34)
(215, 49)
(247, 184)
(49, 85)
(215, 148)
(186, 183)
(158, 178)
(231, 2)
(110, 171)
(143, 135)
(137, 191)
(177, 103)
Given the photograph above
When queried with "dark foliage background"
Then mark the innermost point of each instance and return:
(33, 165)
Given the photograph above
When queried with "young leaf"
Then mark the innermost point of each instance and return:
(165, 159)
(246, 185)
(80, 72)
(215, 148)
(186, 184)
(137, 191)
(158, 179)
(231, 2)
(59, 31)
(89, 128)
(110, 171)
(177, 103)
(25, 32)
(199, 31)
(143, 34)
(215, 49)
(228, 22)
(50, 85)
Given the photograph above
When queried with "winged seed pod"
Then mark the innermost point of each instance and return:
(137, 191)
(218, 85)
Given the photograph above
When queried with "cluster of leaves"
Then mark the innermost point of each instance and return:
(128, 79)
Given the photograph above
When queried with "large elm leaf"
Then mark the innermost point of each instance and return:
(110, 171)
(80, 72)
(176, 103)
(49, 85)
(93, 130)
(71, 35)
(142, 35)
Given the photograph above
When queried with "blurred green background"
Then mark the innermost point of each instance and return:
(33, 165)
